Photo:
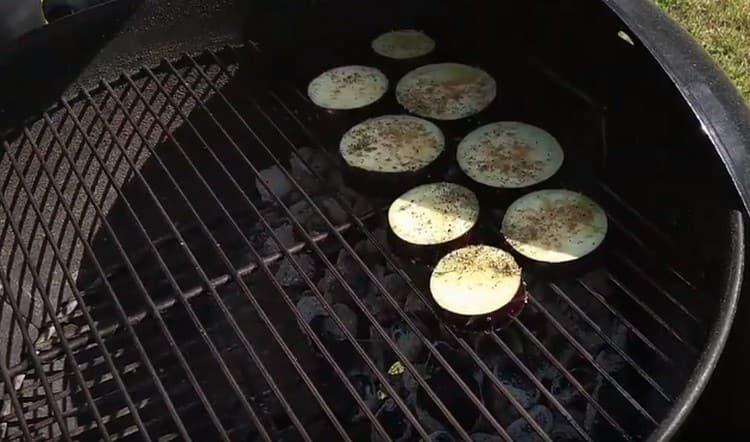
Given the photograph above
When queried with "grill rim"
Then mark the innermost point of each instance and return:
(718, 333)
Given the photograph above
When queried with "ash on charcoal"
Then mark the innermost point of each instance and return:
(285, 234)
(520, 430)
(288, 276)
(277, 182)
(407, 341)
(347, 316)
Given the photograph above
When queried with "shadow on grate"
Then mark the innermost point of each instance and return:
(243, 292)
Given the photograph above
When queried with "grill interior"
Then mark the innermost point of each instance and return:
(215, 309)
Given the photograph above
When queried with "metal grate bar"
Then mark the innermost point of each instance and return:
(642, 245)
(364, 267)
(642, 273)
(313, 389)
(239, 280)
(163, 304)
(633, 329)
(160, 321)
(641, 372)
(15, 404)
(118, 305)
(586, 355)
(629, 293)
(31, 352)
(311, 242)
(47, 304)
(83, 308)
(538, 384)
(569, 376)
(193, 317)
(264, 264)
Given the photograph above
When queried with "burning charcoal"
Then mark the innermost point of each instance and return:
(302, 211)
(520, 430)
(415, 305)
(310, 308)
(277, 182)
(307, 159)
(610, 361)
(566, 393)
(395, 285)
(407, 341)
(288, 276)
(520, 387)
(380, 308)
(392, 419)
(333, 210)
(428, 422)
(352, 272)
(441, 436)
(359, 204)
(285, 234)
(347, 316)
(331, 289)
(443, 384)
(562, 430)
(591, 415)
(362, 382)
(484, 437)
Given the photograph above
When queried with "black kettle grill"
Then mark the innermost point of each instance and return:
(180, 259)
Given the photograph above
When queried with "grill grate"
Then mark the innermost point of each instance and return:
(134, 221)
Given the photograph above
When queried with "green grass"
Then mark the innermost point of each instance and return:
(723, 28)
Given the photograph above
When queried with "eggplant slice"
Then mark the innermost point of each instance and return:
(429, 220)
(391, 153)
(403, 44)
(446, 91)
(509, 155)
(348, 87)
(478, 286)
(554, 226)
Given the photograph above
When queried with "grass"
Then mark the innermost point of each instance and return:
(723, 28)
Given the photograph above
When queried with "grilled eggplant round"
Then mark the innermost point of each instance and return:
(429, 220)
(403, 44)
(554, 226)
(509, 155)
(446, 91)
(347, 87)
(478, 286)
(391, 153)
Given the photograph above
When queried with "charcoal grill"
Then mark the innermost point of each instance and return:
(155, 288)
